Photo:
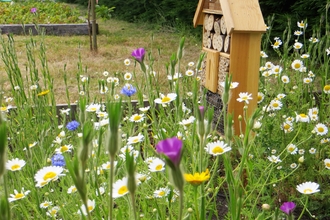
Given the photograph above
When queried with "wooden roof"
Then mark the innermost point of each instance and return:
(240, 15)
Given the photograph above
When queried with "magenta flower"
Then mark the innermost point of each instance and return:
(33, 10)
(288, 207)
(138, 54)
(171, 148)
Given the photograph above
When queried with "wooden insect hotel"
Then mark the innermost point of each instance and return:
(232, 32)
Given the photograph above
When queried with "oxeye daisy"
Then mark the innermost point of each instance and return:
(292, 149)
(47, 174)
(321, 129)
(287, 127)
(137, 118)
(187, 122)
(72, 189)
(165, 99)
(304, 56)
(277, 43)
(298, 33)
(301, 24)
(308, 80)
(326, 89)
(161, 192)
(135, 139)
(144, 109)
(312, 150)
(93, 108)
(327, 163)
(285, 79)
(142, 177)
(244, 97)
(119, 188)
(277, 70)
(301, 151)
(293, 165)
(261, 97)
(297, 64)
(189, 73)
(269, 65)
(314, 40)
(191, 64)
(325, 140)
(263, 54)
(276, 104)
(274, 159)
(18, 195)
(64, 148)
(128, 76)
(15, 164)
(53, 211)
(197, 178)
(308, 188)
(156, 165)
(302, 118)
(233, 85)
(90, 207)
(107, 165)
(45, 204)
(174, 77)
(217, 148)
(127, 62)
(297, 45)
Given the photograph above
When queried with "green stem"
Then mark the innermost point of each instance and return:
(305, 206)
(133, 205)
(110, 185)
(181, 204)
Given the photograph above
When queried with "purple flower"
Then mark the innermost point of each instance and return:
(72, 125)
(58, 160)
(128, 90)
(171, 148)
(33, 10)
(138, 54)
(288, 207)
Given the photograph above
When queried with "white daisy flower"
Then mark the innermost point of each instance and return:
(261, 97)
(312, 150)
(276, 104)
(314, 40)
(34, 87)
(263, 54)
(47, 174)
(217, 148)
(297, 64)
(142, 177)
(161, 192)
(101, 190)
(327, 163)
(144, 109)
(292, 149)
(120, 188)
(298, 33)
(274, 159)
(128, 76)
(64, 148)
(293, 165)
(287, 127)
(308, 188)
(302, 118)
(304, 56)
(72, 189)
(93, 108)
(135, 139)
(191, 64)
(307, 80)
(127, 62)
(57, 140)
(244, 97)
(45, 205)
(297, 45)
(90, 207)
(325, 140)
(18, 195)
(321, 129)
(285, 79)
(301, 151)
(53, 211)
(156, 165)
(137, 118)
(105, 73)
(174, 77)
(166, 99)
(233, 85)
(301, 24)
(189, 73)
(15, 164)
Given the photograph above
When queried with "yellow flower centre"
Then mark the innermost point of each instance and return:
(53, 212)
(3, 109)
(308, 190)
(327, 87)
(217, 149)
(49, 176)
(277, 43)
(303, 115)
(93, 109)
(19, 195)
(64, 148)
(159, 167)
(137, 117)
(122, 190)
(327, 165)
(275, 104)
(108, 166)
(291, 149)
(259, 97)
(135, 140)
(286, 126)
(161, 193)
(166, 99)
(297, 65)
(320, 129)
(90, 208)
(15, 167)
(74, 189)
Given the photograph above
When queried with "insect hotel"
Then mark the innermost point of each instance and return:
(232, 32)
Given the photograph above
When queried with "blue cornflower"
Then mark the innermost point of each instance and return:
(72, 125)
(128, 90)
(58, 160)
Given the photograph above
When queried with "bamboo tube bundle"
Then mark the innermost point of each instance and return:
(223, 72)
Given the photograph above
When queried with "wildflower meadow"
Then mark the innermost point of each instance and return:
(141, 149)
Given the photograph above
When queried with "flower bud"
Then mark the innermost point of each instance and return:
(265, 207)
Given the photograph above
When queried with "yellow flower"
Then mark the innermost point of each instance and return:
(43, 93)
(197, 178)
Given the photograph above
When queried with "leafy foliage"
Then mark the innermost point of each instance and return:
(46, 12)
